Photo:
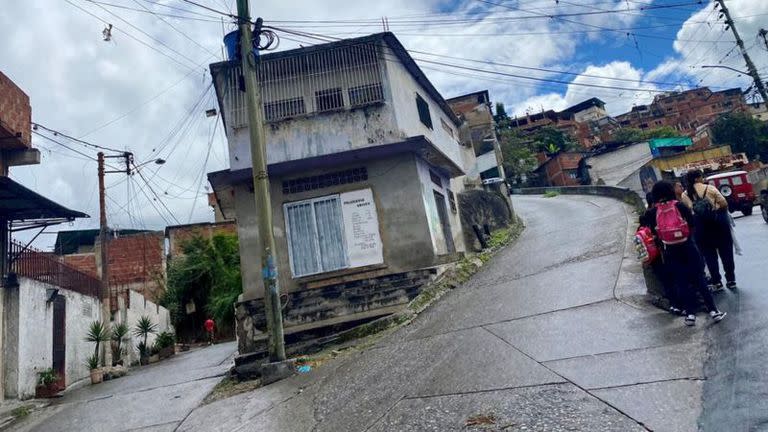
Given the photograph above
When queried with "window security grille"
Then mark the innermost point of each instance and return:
(315, 236)
(304, 184)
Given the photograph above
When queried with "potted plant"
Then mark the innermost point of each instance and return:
(144, 327)
(98, 333)
(154, 353)
(119, 334)
(47, 384)
(97, 375)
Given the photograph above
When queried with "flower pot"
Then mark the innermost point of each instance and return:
(97, 376)
(154, 358)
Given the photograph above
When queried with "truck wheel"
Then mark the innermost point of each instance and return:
(747, 210)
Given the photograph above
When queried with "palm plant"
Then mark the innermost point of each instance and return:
(144, 327)
(119, 333)
(92, 362)
(97, 332)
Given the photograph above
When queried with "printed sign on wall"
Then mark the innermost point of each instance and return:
(361, 228)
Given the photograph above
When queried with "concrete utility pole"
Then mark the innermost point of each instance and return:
(103, 235)
(750, 66)
(249, 59)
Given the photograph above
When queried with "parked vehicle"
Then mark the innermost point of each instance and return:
(736, 189)
(764, 204)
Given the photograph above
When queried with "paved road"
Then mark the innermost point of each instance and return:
(549, 335)
(152, 398)
(736, 393)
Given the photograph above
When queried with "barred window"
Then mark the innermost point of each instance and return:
(284, 109)
(315, 231)
(325, 180)
(329, 99)
(365, 94)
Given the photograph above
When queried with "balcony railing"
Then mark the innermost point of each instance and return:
(302, 84)
(48, 268)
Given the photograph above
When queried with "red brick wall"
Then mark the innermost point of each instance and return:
(15, 112)
(557, 169)
(178, 234)
(83, 262)
(136, 262)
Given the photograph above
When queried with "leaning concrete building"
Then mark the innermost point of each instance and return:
(361, 151)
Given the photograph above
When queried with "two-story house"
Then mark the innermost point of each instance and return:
(361, 151)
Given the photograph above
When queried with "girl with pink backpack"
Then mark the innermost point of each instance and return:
(672, 222)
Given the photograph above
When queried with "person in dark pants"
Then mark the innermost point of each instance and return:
(683, 259)
(659, 267)
(713, 233)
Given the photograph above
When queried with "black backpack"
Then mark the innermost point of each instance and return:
(703, 209)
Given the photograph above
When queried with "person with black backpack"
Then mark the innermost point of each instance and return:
(713, 233)
(672, 222)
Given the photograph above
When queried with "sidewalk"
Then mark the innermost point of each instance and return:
(550, 335)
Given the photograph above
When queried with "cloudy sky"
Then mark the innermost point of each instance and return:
(147, 88)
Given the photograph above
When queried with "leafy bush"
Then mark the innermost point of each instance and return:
(119, 334)
(165, 340)
(550, 194)
(47, 377)
(142, 347)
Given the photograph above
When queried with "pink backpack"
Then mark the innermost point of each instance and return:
(670, 225)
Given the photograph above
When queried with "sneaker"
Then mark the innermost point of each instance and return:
(716, 287)
(731, 285)
(717, 316)
(690, 320)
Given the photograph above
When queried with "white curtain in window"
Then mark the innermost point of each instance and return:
(302, 239)
(316, 236)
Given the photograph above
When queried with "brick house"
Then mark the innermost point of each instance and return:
(685, 111)
(563, 169)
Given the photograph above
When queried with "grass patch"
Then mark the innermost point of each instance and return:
(229, 387)
(551, 194)
(21, 412)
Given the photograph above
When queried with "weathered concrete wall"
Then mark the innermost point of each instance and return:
(402, 221)
(621, 167)
(139, 306)
(435, 228)
(34, 330)
(403, 90)
(480, 207)
(628, 196)
(317, 135)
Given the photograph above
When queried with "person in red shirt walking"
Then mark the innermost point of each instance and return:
(210, 326)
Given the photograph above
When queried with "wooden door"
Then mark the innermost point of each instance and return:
(59, 338)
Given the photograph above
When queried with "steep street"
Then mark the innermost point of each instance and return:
(151, 398)
(551, 335)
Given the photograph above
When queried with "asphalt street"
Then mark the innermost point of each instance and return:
(153, 398)
(553, 334)
(736, 391)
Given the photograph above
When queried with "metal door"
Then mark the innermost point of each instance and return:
(59, 338)
(442, 212)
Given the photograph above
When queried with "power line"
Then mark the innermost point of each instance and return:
(118, 6)
(85, 143)
(211, 9)
(130, 35)
(157, 196)
(202, 173)
(186, 36)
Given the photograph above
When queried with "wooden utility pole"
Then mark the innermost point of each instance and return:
(103, 236)
(249, 61)
(750, 66)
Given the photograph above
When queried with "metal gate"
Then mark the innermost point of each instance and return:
(59, 338)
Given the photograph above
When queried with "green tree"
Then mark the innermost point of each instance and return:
(519, 158)
(501, 118)
(208, 275)
(627, 135)
(552, 140)
(662, 132)
(743, 133)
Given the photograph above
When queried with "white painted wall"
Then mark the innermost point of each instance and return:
(35, 348)
(403, 98)
(433, 218)
(591, 113)
(139, 307)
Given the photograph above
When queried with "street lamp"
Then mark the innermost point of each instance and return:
(156, 162)
(724, 67)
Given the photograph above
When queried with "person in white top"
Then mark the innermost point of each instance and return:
(713, 233)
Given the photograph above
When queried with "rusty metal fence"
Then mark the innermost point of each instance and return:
(48, 268)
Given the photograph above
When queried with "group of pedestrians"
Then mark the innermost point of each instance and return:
(691, 226)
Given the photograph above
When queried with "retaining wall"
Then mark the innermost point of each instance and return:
(626, 195)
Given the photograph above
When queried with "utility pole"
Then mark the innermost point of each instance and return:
(249, 59)
(750, 66)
